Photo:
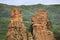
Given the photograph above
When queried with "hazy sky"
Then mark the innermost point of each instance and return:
(29, 2)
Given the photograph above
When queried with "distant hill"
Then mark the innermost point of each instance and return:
(27, 12)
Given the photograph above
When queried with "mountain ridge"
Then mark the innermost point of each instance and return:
(27, 12)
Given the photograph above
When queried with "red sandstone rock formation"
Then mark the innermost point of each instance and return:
(40, 31)
(16, 28)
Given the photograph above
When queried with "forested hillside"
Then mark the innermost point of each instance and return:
(27, 12)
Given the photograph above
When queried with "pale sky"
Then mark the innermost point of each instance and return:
(29, 2)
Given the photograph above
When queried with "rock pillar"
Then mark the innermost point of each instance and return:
(40, 28)
(16, 28)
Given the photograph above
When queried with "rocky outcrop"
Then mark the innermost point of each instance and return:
(40, 28)
(16, 28)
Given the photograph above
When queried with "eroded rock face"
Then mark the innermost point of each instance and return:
(16, 28)
(40, 18)
(39, 23)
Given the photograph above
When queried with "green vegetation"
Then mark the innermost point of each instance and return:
(27, 12)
